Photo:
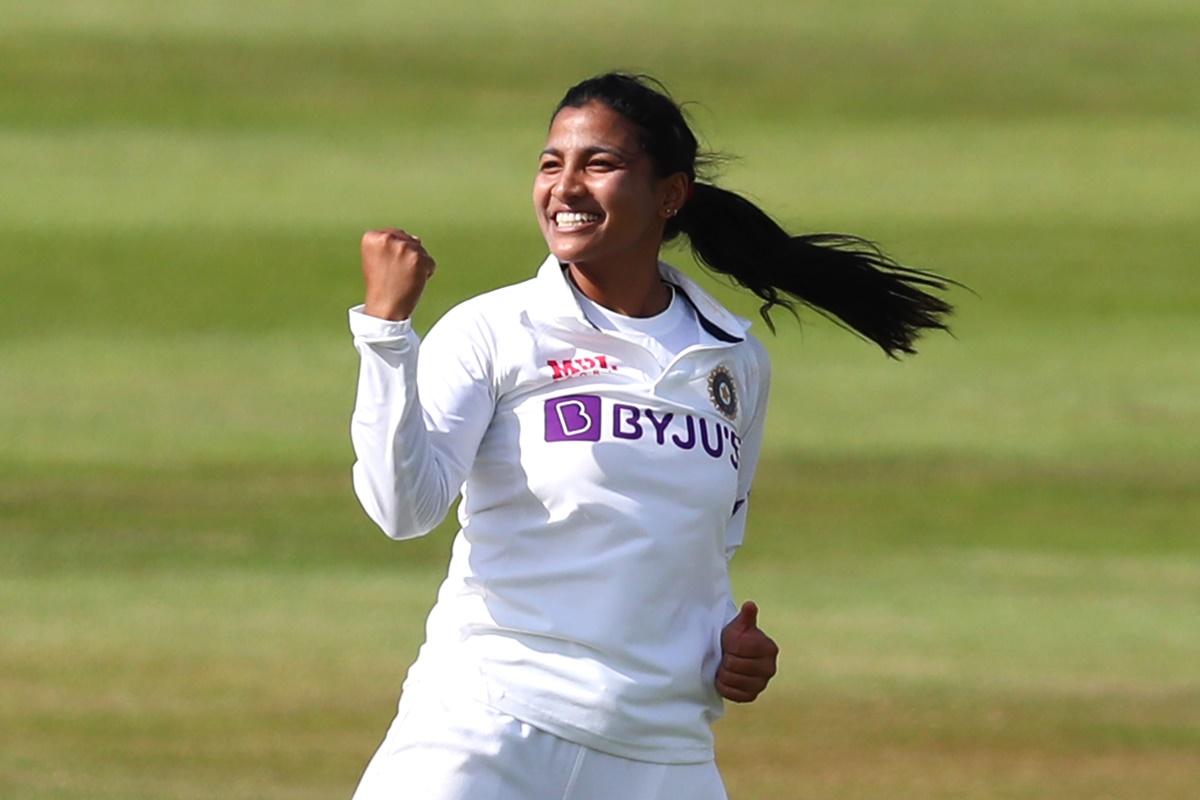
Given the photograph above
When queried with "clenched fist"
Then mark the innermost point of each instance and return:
(395, 268)
(748, 657)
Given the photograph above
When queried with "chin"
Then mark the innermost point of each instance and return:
(567, 254)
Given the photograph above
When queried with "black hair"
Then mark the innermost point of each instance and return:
(844, 277)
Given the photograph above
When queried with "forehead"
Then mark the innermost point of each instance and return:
(593, 125)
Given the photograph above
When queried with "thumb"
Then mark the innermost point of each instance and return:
(747, 618)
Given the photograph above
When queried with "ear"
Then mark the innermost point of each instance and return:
(674, 193)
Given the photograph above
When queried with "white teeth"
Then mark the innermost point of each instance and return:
(574, 217)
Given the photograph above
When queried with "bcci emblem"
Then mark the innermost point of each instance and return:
(722, 393)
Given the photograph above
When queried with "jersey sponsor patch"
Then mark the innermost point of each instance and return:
(584, 365)
(722, 392)
(582, 418)
(574, 418)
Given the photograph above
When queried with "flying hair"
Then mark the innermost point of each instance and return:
(844, 277)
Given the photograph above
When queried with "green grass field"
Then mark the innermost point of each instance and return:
(982, 564)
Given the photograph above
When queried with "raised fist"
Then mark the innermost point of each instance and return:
(395, 268)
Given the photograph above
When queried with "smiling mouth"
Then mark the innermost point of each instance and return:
(575, 220)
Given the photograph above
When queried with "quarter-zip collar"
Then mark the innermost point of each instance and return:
(558, 302)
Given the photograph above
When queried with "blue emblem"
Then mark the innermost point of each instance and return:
(722, 392)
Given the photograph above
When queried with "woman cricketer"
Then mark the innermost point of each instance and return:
(602, 421)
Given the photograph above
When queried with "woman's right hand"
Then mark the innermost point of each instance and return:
(395, 268)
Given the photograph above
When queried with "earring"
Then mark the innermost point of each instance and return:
(670, 212)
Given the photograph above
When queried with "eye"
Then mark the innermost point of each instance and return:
(547, 165)
(602, 164)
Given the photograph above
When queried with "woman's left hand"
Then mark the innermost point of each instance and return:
(748, 657)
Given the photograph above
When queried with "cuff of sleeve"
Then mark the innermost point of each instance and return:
(374, 330)
(731, 611)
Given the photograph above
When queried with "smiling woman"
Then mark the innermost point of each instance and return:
(603, 421)
(602, 208)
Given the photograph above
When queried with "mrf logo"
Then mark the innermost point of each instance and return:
(587, 365)
(581, 418)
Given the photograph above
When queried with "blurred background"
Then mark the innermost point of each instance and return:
(982, 564)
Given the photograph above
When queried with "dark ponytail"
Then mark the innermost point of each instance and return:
(844, 277)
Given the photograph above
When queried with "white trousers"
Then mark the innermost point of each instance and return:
(453, 748)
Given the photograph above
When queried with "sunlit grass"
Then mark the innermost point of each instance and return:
(981, 564)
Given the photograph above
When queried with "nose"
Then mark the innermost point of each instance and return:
(569, 185)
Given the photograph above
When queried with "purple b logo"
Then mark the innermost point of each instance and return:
(574, 418)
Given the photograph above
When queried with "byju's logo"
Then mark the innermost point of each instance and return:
(581, 418)
(574, 418)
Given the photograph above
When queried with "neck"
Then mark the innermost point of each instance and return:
(635, 291)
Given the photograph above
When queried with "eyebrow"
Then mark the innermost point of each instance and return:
(554, 151)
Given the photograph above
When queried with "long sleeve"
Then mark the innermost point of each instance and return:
(420, 412)
(748, 454)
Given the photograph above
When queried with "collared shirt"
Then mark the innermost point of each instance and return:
(665, 334)
(602, 496)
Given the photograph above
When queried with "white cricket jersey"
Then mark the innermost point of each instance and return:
(602, 496)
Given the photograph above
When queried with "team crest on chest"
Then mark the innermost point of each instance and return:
(722, 392)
